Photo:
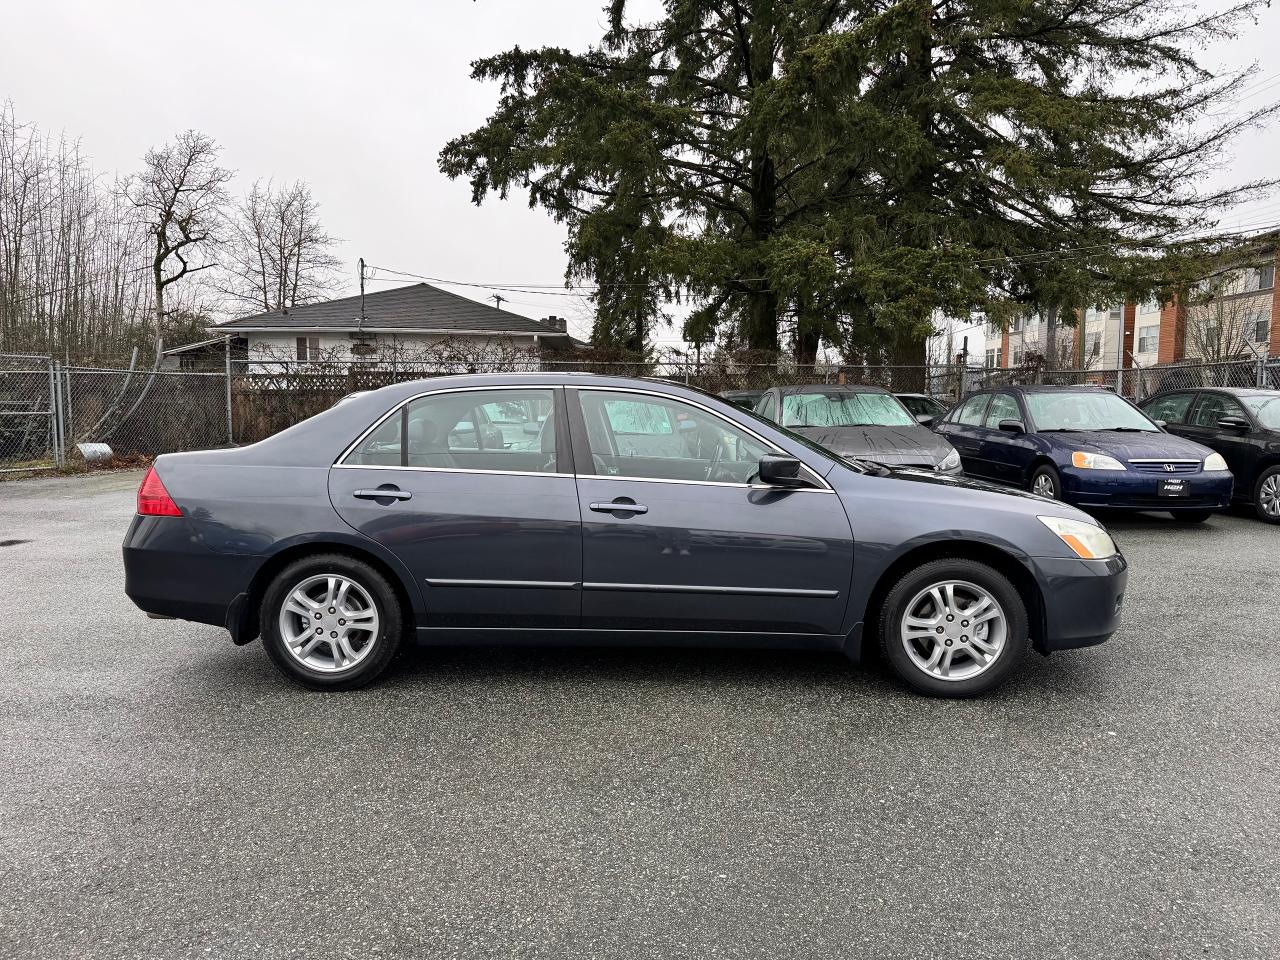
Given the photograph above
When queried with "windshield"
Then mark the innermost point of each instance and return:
(841, 409)
(1085, 411)
(1265, 408)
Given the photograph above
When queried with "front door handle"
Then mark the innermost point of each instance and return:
(621, 505)
(383, 493)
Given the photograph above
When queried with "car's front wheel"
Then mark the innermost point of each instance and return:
(953, 627)
(1266, 495)
(331, 622)
(1046, 482)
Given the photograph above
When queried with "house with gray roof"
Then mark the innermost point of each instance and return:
(403, 324)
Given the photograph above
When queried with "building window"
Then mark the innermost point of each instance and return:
(1016, 325)
(1260, 278)
(1116, 313)
(1094, 343)
(308, 348)
(1259, 324)
(1149, 338)
(1150, 306)
(1017, 358)
(993, 358)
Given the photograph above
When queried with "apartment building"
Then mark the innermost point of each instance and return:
(1226, 316)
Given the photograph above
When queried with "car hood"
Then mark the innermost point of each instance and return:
(963, 483)
(1128, 446)
(889, 445)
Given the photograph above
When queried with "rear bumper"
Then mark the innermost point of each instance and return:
(168, 572)
(1083, 599)
(1131, 490)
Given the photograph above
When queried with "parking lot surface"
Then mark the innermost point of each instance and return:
(166, 794)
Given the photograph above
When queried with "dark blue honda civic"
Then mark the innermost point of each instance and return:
(540, 508)
(1088, 446)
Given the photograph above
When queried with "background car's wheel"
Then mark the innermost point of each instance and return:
(1046, 482)
(1266, 495)
(331, 622)
(1191, 516)
(953, 628)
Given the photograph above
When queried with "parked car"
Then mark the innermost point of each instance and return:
(1088, 446)
(647, 512)
(924, 408)
(742, 398)
(863, 422)
(1243, 425)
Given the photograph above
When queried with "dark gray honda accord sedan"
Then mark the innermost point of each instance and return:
(554, 508)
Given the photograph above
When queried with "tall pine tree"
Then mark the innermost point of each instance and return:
(840, 169)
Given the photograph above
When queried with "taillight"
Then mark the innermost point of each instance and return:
(154, 499)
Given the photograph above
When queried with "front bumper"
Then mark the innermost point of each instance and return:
(1131, 490)
(1083, 599)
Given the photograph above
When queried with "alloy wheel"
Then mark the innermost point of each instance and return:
(954, 630)
(1044, 486)
(329, 623)
(1269, 495)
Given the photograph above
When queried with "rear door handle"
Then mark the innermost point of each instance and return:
(620, 506)
(387, 493)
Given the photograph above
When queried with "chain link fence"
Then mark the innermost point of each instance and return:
(46, 408)
(28, 423)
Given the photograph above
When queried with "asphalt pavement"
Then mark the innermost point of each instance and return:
(164, 793)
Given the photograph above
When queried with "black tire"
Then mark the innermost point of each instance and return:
(1191, 516)
(1051, 473)
(1272, 474)
(894, 609)
(382, 648)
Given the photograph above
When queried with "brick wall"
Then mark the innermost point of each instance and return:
(1274, 348)
(1173, 330)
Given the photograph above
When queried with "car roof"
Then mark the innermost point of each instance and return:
(1054, 388)
(796, 388)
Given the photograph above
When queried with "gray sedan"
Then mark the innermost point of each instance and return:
(543, 508)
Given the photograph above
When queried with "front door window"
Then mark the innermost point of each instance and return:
(638, 435)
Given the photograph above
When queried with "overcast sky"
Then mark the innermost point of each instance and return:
(357, 99)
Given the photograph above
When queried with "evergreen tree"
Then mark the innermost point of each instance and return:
(844, 168)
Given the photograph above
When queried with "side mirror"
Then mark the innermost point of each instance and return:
(1012, 426)
(779, 471)
(1161, 423)
(1233, 423)
(926, 419)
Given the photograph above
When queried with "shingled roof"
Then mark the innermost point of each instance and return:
(420, 308)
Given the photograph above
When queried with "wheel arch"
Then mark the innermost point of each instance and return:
(242, 619)
(1023, 580)
(1041, 459)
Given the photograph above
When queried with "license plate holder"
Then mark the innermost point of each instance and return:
(1174, 487)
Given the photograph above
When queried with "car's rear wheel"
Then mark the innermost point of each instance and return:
(1191, 516)
(331, 622)
(1266, 495)
(1046, 482)
(953, 628)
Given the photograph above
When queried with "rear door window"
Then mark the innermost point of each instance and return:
(970, 412)
(1171, 408)
(1003, 407)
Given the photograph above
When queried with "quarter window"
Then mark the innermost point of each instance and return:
(506, 430)
(1171, 408)
(632, 435)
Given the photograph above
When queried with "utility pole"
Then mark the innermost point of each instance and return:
(498, 300)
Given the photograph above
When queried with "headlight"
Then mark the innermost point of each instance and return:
(951, 461)
(1087, 541)
(1214, 461)
(1095, 461)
